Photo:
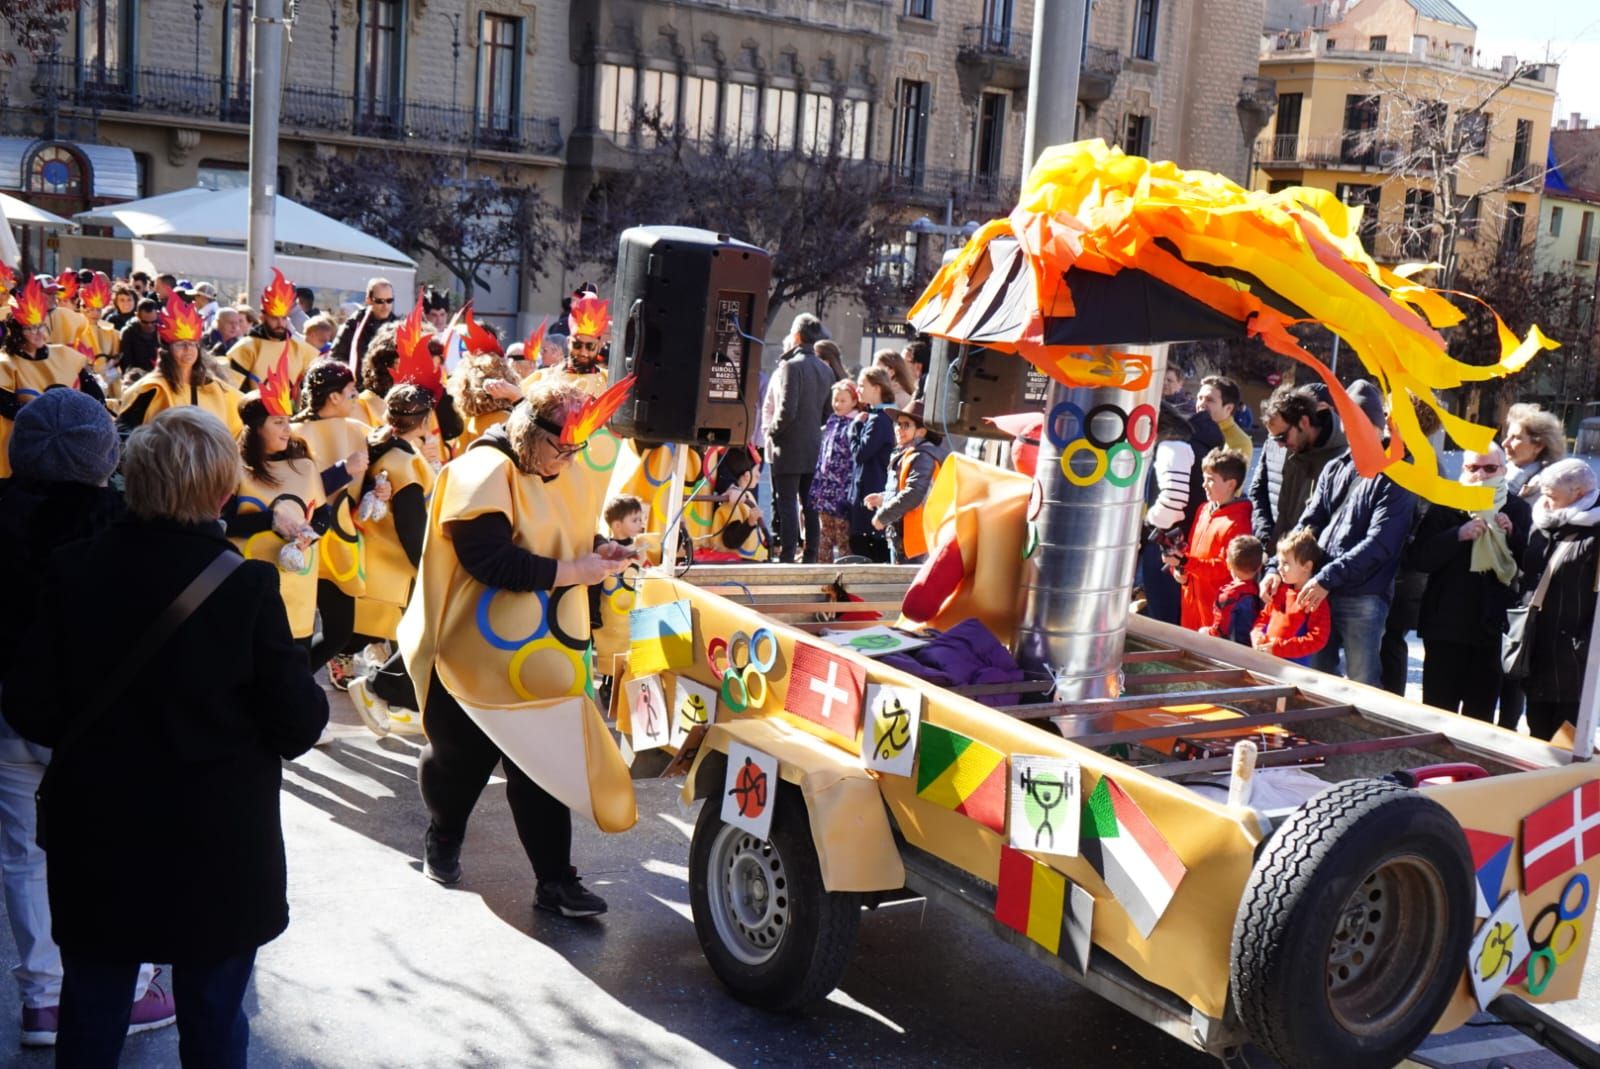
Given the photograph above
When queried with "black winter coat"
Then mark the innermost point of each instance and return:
(165, 841)
(1561, 634)
(1459, 604)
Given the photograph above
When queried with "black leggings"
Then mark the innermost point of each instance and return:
(338, 612)
(792, 507)
(454, 768)
(1460, 678)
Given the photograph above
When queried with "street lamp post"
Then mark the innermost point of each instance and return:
(333, 38)
(455, 57)
(199, 9)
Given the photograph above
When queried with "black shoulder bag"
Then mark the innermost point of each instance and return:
(152, 639)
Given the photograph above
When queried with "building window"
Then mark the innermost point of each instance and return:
(1427, 133)
(222, 174)
(56, 170)
(989, 141)
(1587, 239)
(614, 106)
(1136, 135)
(855, 128)
(778, 114)
(911, 131)
(699, 121)
(236, 58)
(1146, 16)
(1555, 222)
(499, 72)
(1358, 143)
(379, 52)
(1516, 220)
(1472, 132)
(997, 15)
(1521, 150)
(1286, 134)
(739, 115)
(105, 39)
(1468, 219)
(816, 126)
(658, 104)
(1416, 239)
(919, 9)
(1366, 198)
(1378, 43)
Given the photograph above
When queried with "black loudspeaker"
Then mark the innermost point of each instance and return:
(968, 382)
(687, 318)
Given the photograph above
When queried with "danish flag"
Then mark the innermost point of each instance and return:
(1560, 836)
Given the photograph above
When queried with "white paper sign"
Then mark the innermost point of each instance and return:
(693, 704)
(894, 715)
(1045, 798)
(1498, 950)
(751, 790)
(647, 708)
(880, 640)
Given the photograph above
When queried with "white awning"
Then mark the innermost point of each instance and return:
(334, 281)
(113, 170)
(222, 216)
(21, 213)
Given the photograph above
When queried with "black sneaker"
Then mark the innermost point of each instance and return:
(570, 898)
(441, 858)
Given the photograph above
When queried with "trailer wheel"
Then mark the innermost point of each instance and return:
(770, 930)
(1354, 927)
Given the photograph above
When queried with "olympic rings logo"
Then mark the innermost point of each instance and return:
(603, 458)
(270, 554)
(1104, 450)
(1551, 949)
(619, 592)
(575, 651)
(744, 672)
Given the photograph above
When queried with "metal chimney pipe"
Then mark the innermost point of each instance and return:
(1075, 613)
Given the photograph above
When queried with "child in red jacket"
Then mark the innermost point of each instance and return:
(1284, 629)
(1224, 517)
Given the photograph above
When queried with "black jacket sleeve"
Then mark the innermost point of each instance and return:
(450, 422)
(485, 549)
(289, 705)
(9, 405)
(132, 417)
(335, 478)
(31, 685)
(237, 525)
(409, 507)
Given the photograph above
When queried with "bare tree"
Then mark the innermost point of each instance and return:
(35, 26)
(422, 204)
(818, 214)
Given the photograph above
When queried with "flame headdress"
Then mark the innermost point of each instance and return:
(595, 413)
(8, 278)
(180, 322)
(531, 347)
(277, 392)
(590, 316)
(31, 306)
(68, 282)
(416, 364)
(96, 296)
(474, 338)
(277, 299)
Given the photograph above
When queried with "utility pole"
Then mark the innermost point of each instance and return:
(1058, 27)
(266, 89)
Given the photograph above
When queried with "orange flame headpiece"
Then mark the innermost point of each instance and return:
(278, 298)
(277, 392)
(68, 281)
(180, 322)
(31, 306)
(97, 294)
(8, 278)
(531, 347)
(416, 364)
(595, 413)
(590, 316)
(474, 338)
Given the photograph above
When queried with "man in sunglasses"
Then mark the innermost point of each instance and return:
(1303, 435)
(588, 322)
(350, 344)
(1471, 560)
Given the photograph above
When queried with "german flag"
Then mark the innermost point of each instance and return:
(1045, 906)
(962, 774)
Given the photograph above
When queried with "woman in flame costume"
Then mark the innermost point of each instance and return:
(280, 499)
(30, 365)
(253, 355)
(496, 638)
(483, 385)
(66, 323)
(338, 443)
(101, 341)
(181, 377)
(413, 339)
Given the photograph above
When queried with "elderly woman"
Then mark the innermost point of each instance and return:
(1566, 542)
(184, 725)
(496, 637)
(1534, 440)
(1470, 560)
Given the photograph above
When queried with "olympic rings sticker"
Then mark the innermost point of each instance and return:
(1553, 948)
(743, 673)
(549, 623)
(604, 458)
(1135, 433)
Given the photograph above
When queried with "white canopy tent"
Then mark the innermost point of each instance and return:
(15, 212)
(200, 233)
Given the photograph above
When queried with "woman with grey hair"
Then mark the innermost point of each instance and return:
(192, 719)
(1566, 540)
(1534, 440)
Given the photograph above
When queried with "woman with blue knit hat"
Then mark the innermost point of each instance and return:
(63, 450)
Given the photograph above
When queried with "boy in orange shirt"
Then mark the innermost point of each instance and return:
(1285, 629)
(1225, 516)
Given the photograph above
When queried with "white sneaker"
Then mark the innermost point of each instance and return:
(404, 722)
(373, 655)
(373, 710)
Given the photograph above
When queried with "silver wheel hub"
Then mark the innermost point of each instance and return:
(749, 895)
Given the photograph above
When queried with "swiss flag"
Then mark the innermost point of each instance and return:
(1560, 836)
(826, 689)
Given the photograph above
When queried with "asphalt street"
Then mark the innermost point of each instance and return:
(381, 967)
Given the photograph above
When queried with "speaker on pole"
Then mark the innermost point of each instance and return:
(688, 315)
(968, 382)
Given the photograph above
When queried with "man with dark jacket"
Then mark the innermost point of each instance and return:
(800, 402)
(1309, 435)
(1463, 612)
(1362, 525)
(356, 333)
(139, 341)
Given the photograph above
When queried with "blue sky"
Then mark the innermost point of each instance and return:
(1567, 31)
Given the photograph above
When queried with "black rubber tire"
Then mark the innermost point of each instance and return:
(815, 947)
(1408, 859)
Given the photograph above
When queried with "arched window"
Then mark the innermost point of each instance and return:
(56, 169)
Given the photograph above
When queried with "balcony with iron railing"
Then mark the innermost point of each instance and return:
(1099, 73)
(1359, 149)
(932, 186)
(168, 95)
(996, 41)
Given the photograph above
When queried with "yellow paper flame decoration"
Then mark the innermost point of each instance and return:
(1092, 207)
